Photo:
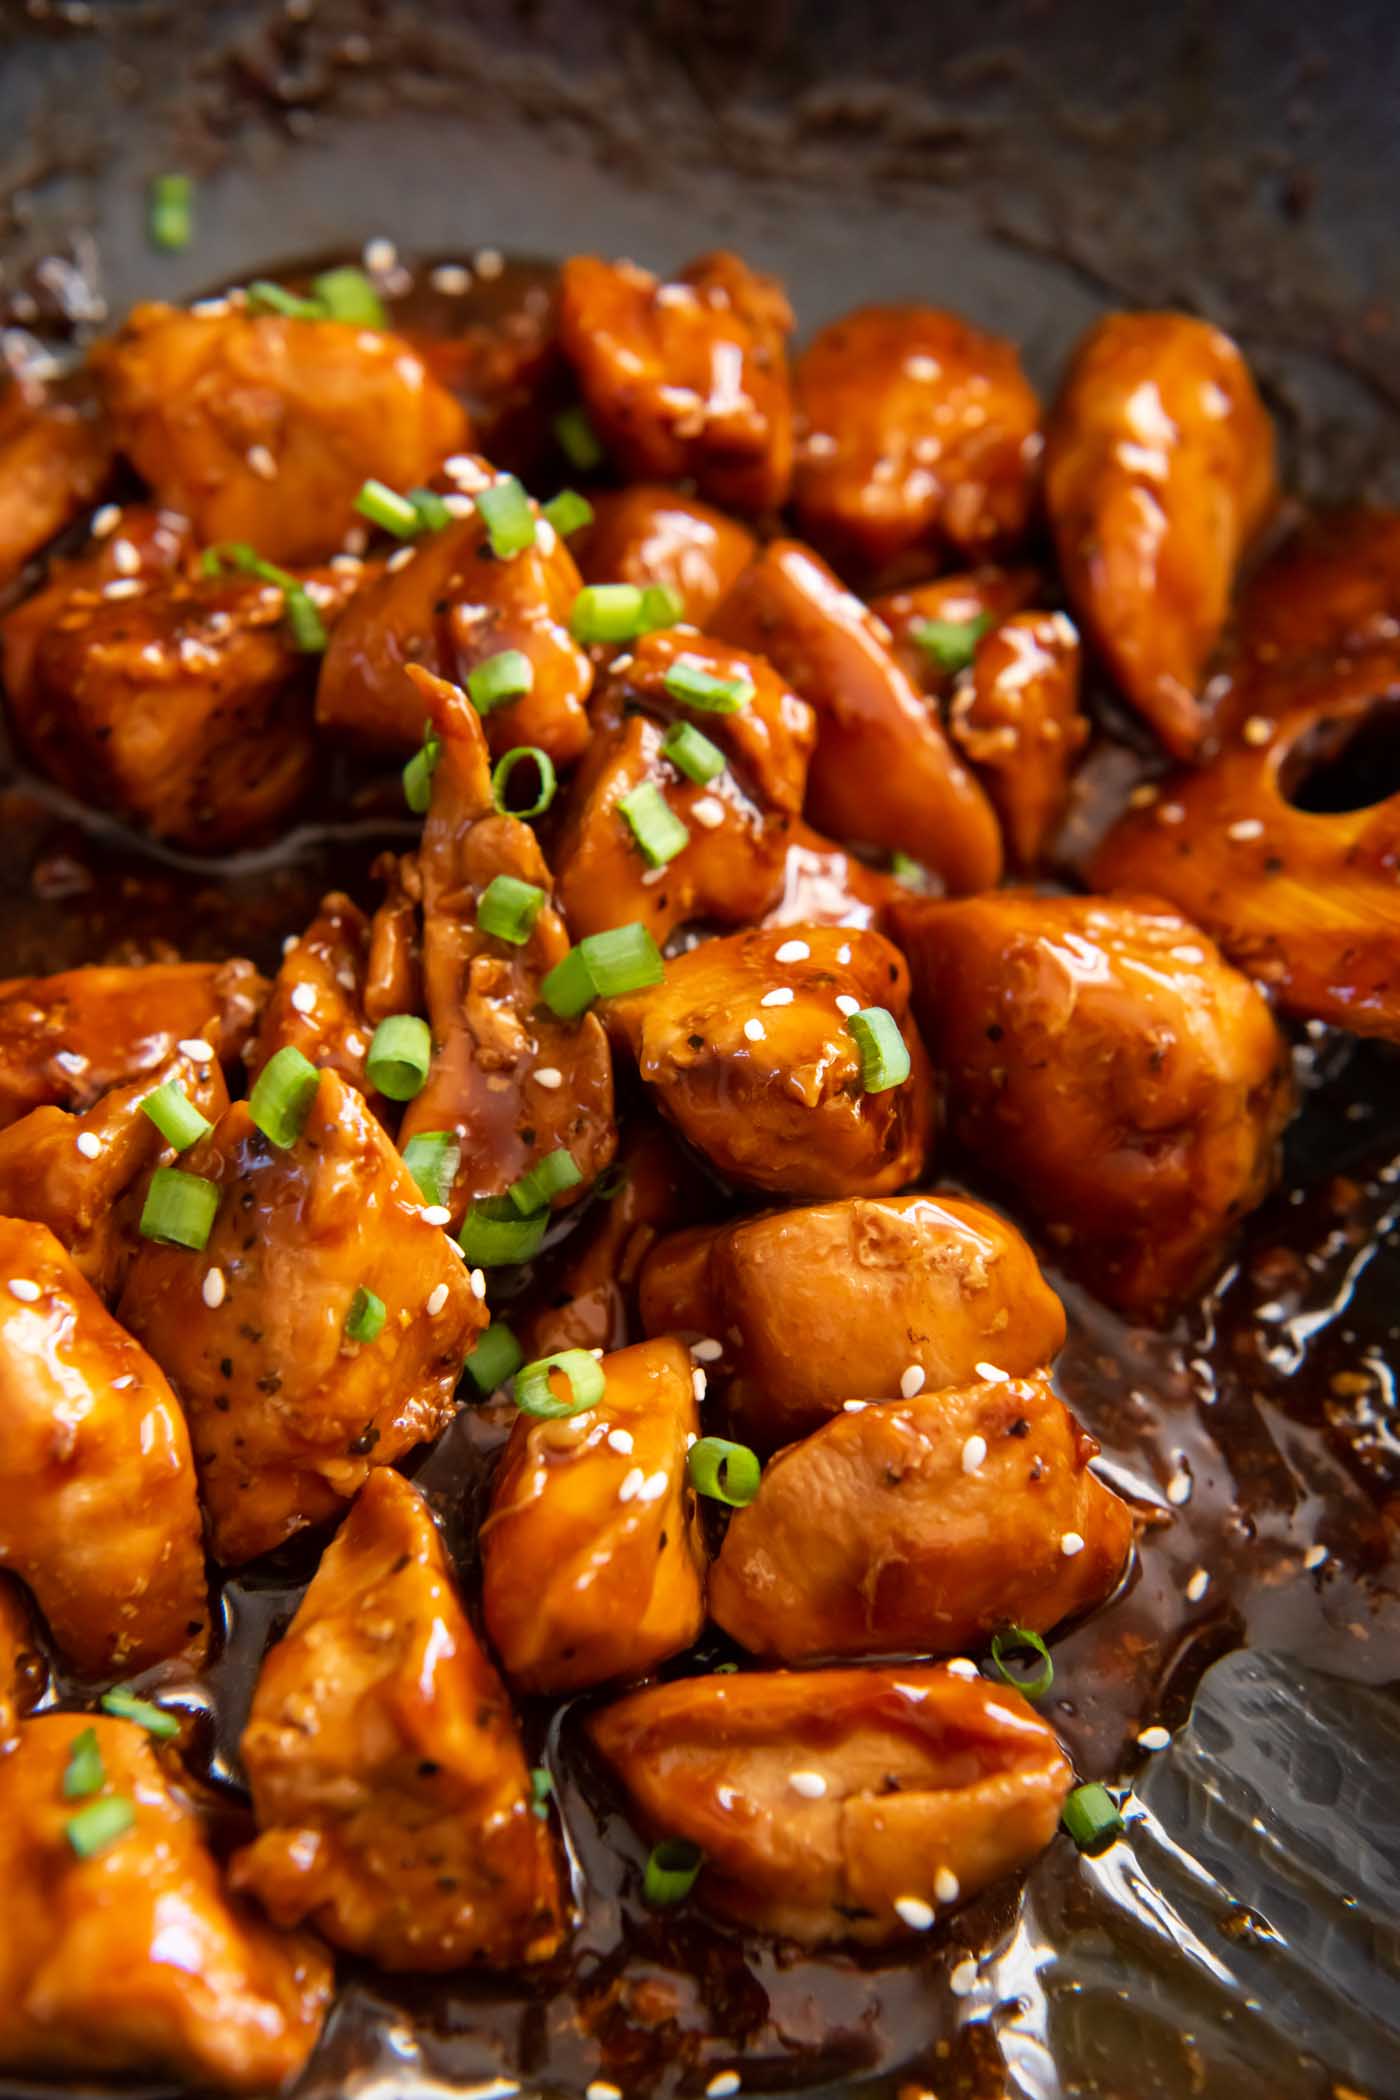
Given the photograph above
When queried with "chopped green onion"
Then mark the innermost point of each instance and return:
(431, 508)
(1092, 1817)
(607, 612)
(1022, 1637)
(309, 635)
(179, 1209)
(541, 1787)
(175, 1116)
(365, 1320)
(568, 512)
(496, 1357)
(671, 1870)
(661, 607)
(697, 687)
(494, 1235)
(548, 1178)
(432, 1158)
(269, 298)
(127, 1707)
(347, 295)
(209, 563)
(884, 1054)
(508, 908)
(911, 874)
(611, 1184)
(505, 511)
(578, 440)
(400, 1057)
(692, 753)
(171, 219)
(385, 506)
(85, 1772)
(582, 1373)
(603, 965)
(951, 643)
(308, 629)
(659, 832)
(100, 1824)
(418, 773)
(725, 1472)
(500, 780)
(500, 678)
(282, 1096)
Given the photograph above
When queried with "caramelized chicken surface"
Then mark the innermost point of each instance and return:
(23, 1671)
(747, 1046)
(1016, 720)
(393, 1802)
(824, 885)
(97, 1492)
(647, 533)
(925, 1787)
(911, 1291)
(967, 603)
(317, 1001)
(133, 1961)
(1103, 1061)
(55, 456)
(288, 1416)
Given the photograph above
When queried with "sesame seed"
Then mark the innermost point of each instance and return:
(213, 1288)
(437, 1298)
(380, 255)
(1154, 1738)
(911, 1381)
(946, 1885)
(292, 941)
(1143, 797)
(437, 1214)
(1171, 813)
(119, 1385)
(708, 810)
(548, 1076)
(24, 1289)
(722, 2085)
(400, 559)
(477, 1280)
(489, 262)
(631, 1484)
(71, 1061)
(992, 1374)
(194, 1046)
(914, 1912)
(698, 1383)
(600, 2089)
(960, 1666)
(1179, 1488)
(792, 951)
(354, 1044)
(88, 1143)
(261, 462)
(843, 953)
(962, 1979)
(707, 1350)
(810, 1785)
(846, 1005)
(1314, 1557)
(1070, 1544)
(781, 995)
(105, 521)
(304, 998)
(597, 1355)
(123, 587)
(1197, 1586)
(974, 1451)
(458, 505)
(454, 279)
(1257, 730)
(754, 1031)
(1246, 829)
(620, 1440)
(653, 1487)
(125, 558)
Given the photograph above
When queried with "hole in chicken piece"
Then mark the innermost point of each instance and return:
(1343, 765)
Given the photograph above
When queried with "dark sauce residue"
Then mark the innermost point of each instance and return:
(1258, 1437)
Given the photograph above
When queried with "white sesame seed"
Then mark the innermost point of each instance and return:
(354, 1043)
(962, 1979)
(698, 1383)
(707, 1350)
(454, 279)
(489, 262)
(304, 998)
(914, 1912)
(653, 1487)
(708, 810)
(1197, 1586)
(126, 559)
(597, 1355)
(1154, 1738)
(261, 462)
(754, 1031)
(911, 1381)
(477, 1280)
(992, 1374)
(631, 1484)
(855, 1407)
(399, 559)
(722, 2085)
(691, 1440)
(946, 1885)
(1171, 813)
(458, 505)
(1314, 1557)
(810, 1785)
(346, 980)
(23, 1289)
(437, 1214)
(380, 255)
(105, 521)
(620, 1440)
(960, 1666)
(291, 942)
(461, 467)
(437, 1298)
(194, 1046)
(88, 1143)
(599, 2089)
(974, 1452)
(1070, 1544)
(1247, 828)
(653, 876)
(1179, 1488)
(548, 1076)
(781, 995)
(792, 951)
(119, 1385)
(213, 1288)
(1144, 796)
(846, 1005)
(71, 1061)
(1257, 730)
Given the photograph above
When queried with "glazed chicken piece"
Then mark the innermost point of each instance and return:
(592, 1561)
(450, 607)
(317, 1001)
(925, 1787)
(922, 1526)
(394, 965)
(649, 534)
(731, 869)
(492, 1034)
(952, 613)
(23, 1671)
(97, 1495)
(883, 773)
(1159, 471)
(910, 1292)
(263, 429)
(77, 1173)
(391, 1792)
(918, 435)
(1015, 717)
(288, 1416)
(67, 1039)
(55, 456)
(824, 885)
(1105, 1063)
(133, 1959)
(769, 1087)
(686, 380)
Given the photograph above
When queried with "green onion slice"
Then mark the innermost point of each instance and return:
(500, 678)
(1022, 1637)
(309, 637)
(433, 513)
(578, 440)
(347, 295)
(494, 1235)
(500, 781)
(85, 1772)
(581, 1372)
(602, 966)
(266, 297)
(568, 512)
(418, 773)
(725, 1472)
(541, 1788)
(171, 206)
(691, 752)
(671, 1870)
(127, 1707)
(496, 1357)
(432, 1158)
(179, 1209)
(658, 831)
(175, 1116)
(505, 511)
(365, 1320)
(99, 1825)
(607, 612)
(911, 874)
(282, 1096)
(400, 1056)
(508, 908)
(1092, 1817)
(951, 643)
(386, 507)
(548, 1178)
(884, 1054)
(692, 683)
(661, 607)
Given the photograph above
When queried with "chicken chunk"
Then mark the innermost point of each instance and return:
(1159, 471)
(883, 772)
(824, 885)
(1107, 1065)
(97, 1495)
(450, 607)
(55, 456)
(748, 1048)
(901, 1292)
(492, 1034)
(1015, 717)
(918, 433)
(264, 429)
(23, 1670)
(687, 380)
(133, 1959)
(317, 1001)
(67, 1039)
(925, 1787)
(934, 627)
(649, 534)
(922, 1526)
(390, 1788)
(592, 1560)
(287, 1415)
